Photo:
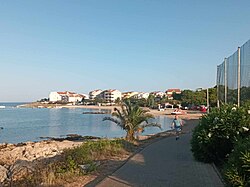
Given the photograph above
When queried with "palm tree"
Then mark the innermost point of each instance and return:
(131, 118)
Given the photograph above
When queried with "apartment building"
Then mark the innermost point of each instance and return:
(111, 95)
(93, 94)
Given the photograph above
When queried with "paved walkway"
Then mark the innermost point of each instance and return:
(164, 163)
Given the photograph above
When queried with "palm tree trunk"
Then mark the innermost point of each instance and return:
(130, 135)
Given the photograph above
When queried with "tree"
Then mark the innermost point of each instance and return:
(176, 96)
(213, 96)
(131, 118)
(118, 101)
(151, 101)
(98, 100)
(187, 97)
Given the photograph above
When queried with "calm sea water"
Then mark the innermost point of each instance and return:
(27, 124)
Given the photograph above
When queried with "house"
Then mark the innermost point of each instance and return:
(126, 95)
(59, 96)
(54, 96)
(86, 96)
(158, 94)
(65, 97)
(74, 98)
(171, 91)
(93, 94)
(141, 95)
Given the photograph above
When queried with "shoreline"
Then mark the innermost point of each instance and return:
(154, 112)
(29, 153)
(167, 112)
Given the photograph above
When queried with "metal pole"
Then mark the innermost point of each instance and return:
(207, 101)
(218, 101)
(238, 76)
(225, 78)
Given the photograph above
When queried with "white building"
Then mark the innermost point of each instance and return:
(74, 98)
(141, 95)
(54, 96)
(93, 94)
(126, 95)
(65, 97)
(86, 96)
(158, 94)
(111, 95)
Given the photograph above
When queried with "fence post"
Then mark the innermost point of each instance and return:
(225, 78)
(207, 100)
(238, 79)
(218, 99)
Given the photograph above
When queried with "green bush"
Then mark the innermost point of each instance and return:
(237, 170)
(89, 152)
(213, 139)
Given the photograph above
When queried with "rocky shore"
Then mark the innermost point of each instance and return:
(19, 157)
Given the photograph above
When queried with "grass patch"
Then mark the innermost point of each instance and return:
(75, 162)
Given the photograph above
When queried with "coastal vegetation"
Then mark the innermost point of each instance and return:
(132, 119)
(199, 97)
(74, 163)
(187, 98)
(237, 169)
(222, 137)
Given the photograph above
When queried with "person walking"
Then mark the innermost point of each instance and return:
(177, 125)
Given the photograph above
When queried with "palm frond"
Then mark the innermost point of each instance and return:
(131, 118)
(116, 121)
(151, 125)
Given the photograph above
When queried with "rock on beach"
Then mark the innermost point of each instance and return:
(29, 151)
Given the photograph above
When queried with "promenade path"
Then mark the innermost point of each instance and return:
(166, 162)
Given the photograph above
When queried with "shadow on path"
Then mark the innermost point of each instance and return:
(166, 162)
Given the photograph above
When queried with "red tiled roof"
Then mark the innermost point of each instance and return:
(61, 92)
(110, 90)
(66, 92)
(174, 90)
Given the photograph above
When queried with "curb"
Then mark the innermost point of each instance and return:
(218, 173)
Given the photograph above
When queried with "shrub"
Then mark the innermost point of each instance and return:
(213, 139)
(90, 151)
(237, 170)
(67, 166)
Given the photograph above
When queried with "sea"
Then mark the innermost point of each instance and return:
(34, 124)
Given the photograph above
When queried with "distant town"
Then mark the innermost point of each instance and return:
(110, 96)
(170, 98)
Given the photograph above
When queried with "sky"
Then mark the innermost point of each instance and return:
(129, 45)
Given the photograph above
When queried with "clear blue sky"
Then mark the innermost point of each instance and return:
(140, 45)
